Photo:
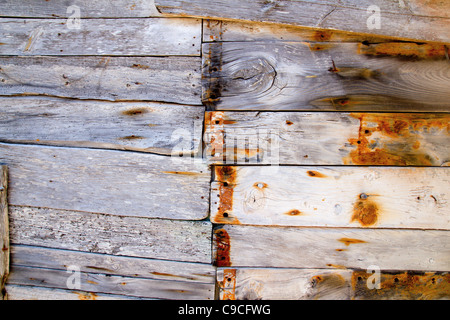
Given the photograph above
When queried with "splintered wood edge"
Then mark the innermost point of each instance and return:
(4, 231)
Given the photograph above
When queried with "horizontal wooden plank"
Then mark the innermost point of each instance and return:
(188, 241)
(317, 284)
(412, 19)
(86, 9)
(17, 292)
(4, 230)
(376, 197)
(168, 79)
(326, 76)
(94, 282)
(328, 138)
(105, 37)
(290, 247)
(39, 257)
(140, 126)
(107, 181)
(232, 30)
(283, 284)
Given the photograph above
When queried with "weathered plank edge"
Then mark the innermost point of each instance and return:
(4, 231)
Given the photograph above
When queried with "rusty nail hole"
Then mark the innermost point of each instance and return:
(225, 184)
(359, 278)
(396, 279)
(229, 279)
(217, 121)
(363, 196)
(418, 198)
(225, 215)
(358, 142)
(366, 131)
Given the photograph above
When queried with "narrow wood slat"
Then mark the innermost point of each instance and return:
(376, 197)
(403, 19)
(107, 181)
(394, 76)
(94, 282)
(168, 79)
(105, 37)
(140, 126)
(4, 230)
(87, 8)
(188, 241)
(290, 247)
(328, 138)
(39, 257)
(328, 284)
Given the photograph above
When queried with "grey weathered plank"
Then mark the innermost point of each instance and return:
(4, 229)
(94, 282)
(105, 37)
(141, 126)
(326, 76)
(87, 8)
(404, 19)
(18, 292)
(188, 241)
(376, 197)
(291, 284)
(283, 284)
(168, 79)
(328, 138)
(231, 30)
(291, 247)
(39, 257)
(107, 181)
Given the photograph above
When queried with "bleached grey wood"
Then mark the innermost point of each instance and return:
(141, 126)
(375, 197)
(87, 8)
(284, 284)
(331, 76)
(18, 292)
(290, 247)
(94, 282)
(168, 79)
(105, 37)
(404, 19)
(188, 241)
(39, 257)
(329, 138)
(107, 181)
(4, 230)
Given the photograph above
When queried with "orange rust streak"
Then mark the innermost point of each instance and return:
(316, 174)
(366, 212)
(222, 240)
(294, 212)
(229, 284)
(86, 296)
(135, 111)
(349, 241)
(404, 49)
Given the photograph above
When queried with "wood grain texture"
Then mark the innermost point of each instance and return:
(87, 8)
(411, 20)
(326, 76)
(94, 282)
(283, 284)
(188, 241)
(104, 37)
(4, 230)
(376, 197)
(328, 138)
(140, 126)
(167, 79)
(290, 247)
(107, 181)
(329, 284)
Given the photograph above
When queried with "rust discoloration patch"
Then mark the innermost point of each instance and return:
(349, 241)
(294, 212)
(135, 111)
(405, 50)
(222, 242)
(289, 123)
(315, 174)
(365, 212)
(323, 284)
(226, 176)
(140, 66)
(228, 285)
(403, 285)
(397, 141)
(86, 295)
(132, 137)
(322, 35)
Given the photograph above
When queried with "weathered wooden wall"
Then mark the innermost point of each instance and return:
(163, 154)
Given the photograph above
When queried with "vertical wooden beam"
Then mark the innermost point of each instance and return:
(4, 231)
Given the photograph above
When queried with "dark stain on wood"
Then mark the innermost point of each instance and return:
(211, 75)
(289, 123)
(316, 174)
(322, 35)
(349, 241)
(294, 212)
(222, 241)
(408, 285)
(135, 111)
(132, 137)
(226, 175)
(406, 50)
(324, 284)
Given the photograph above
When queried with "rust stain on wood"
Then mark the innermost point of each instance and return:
(135, 111)
(365, 211)
(222, 242)
(316, 174)
(86, 295)
(405, 50)
(400, 133)
(294, 212)
(228, 285)
(132, 137)
(403, 285)
(349, 241)
(226, 176)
